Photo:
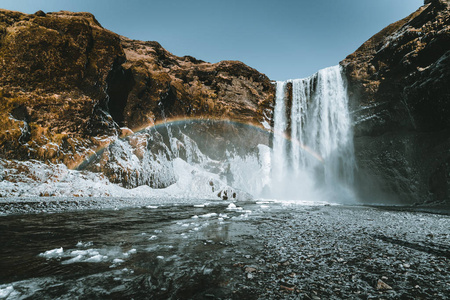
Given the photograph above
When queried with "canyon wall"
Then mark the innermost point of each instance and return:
(68, 87)
(399, 85)
(73, 92)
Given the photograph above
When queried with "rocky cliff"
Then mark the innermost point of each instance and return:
(399, 83)
(68, 86)
(71, 90)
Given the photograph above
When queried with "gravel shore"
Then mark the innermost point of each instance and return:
(343, 253)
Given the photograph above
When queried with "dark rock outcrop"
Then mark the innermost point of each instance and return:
(400, 98)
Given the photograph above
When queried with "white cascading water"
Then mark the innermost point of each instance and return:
(279, 163)
(318, 162)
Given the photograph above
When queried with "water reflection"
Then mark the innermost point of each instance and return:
(128, 252)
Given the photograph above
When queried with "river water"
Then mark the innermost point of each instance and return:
(136, 252)
(222, 250)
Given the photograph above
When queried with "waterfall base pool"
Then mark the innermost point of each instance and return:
(259, 250)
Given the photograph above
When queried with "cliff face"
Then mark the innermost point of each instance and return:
(400, 98)
(53, 74)
(170, 86)
(67, 85)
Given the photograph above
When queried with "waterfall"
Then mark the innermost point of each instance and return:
(279, 163)
(311, 157)
(313, 140)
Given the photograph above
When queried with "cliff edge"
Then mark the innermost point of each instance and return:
(400, 100)
(67, 85)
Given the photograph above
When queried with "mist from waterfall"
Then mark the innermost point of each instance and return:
(313, 155)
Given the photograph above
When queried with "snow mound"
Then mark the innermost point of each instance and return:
(33, 178)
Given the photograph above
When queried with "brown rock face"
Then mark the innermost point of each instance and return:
(400, 97)
(161, 85)
(67, 84)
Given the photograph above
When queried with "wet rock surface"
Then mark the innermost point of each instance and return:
(399, 95)
(220, 251)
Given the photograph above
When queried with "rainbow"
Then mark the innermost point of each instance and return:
(177, 121)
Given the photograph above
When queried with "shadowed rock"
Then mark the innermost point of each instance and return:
(400, 97)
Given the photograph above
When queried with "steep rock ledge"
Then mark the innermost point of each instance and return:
(68, 85)
(400, 98)
(170, 86)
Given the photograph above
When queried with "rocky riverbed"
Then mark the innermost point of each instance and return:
(222, 250)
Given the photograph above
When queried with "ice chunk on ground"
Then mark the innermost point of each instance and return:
(118, 260)
(208, 215)
(78, 252)
(132, 251)
(233, 207)
(86, 244)
(58, 252)
(6, 292)
(97, 258)
(109, 254)
(78, 258)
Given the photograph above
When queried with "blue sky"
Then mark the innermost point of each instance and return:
(283, 39)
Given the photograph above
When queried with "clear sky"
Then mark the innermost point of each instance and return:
(283, 39)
